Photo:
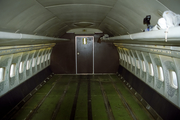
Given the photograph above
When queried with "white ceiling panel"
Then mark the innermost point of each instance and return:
(79, 8)
(10, 9)
(114, 25)
(53, 29)
(173, 5)
(61, 2)
(46, 25)
(83, 17)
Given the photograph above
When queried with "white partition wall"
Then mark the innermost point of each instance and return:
(19, 63)
(157, 66)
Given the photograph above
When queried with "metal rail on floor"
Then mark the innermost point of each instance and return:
(22, 102)
(60, 101)
(141, 100)
(75, 101)
(123, 100)
(30, 115)
(106, 102)
(89, 101)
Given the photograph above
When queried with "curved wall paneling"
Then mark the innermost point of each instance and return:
(19, 63)
(159, 67)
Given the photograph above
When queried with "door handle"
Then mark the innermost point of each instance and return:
(78, 53)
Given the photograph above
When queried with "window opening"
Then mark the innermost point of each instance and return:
(21, 67)
(45, 57)
(137, 64)
(120, 55)
(125, 57)
(2, 73)
(33, 62)
(132, 61)
(12, 70)
(143, 66)
(49, 56)
(160, 73)
(173, 79)
(38, 60)
(42, 59)
(28, 64)
(129, 60)
(151, 72)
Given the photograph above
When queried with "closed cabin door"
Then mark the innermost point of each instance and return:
(84, 54)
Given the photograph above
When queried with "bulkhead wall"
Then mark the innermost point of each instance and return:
(63, 56)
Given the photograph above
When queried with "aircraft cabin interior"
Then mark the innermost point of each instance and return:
(89, 60)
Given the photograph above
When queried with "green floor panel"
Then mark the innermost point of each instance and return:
(118, 108)
(36, 97)
(98, 107)
(81, 114)
(23, 114)
(82, 102)
(65, 109)
(33, 101)
(115, 77)
(136, 107)
(94, 77)
(95, 89)
(47, 108)
(67, 103)
(103, 78)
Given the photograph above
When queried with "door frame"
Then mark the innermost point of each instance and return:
(76, 53)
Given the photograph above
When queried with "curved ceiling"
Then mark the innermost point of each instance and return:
(55, 17)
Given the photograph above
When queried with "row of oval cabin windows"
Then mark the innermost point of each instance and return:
(21, 66)
(173, 76)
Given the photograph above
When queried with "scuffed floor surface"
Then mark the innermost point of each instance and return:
(83, 97)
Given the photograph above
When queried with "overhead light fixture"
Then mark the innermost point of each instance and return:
(84, 40)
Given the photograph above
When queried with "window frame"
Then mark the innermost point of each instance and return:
(28, 64)
(45, 58)
(132, 61)
(173, 77)
(129, 59)
(38, 60)
(137, 64)
(125, 58)
(143, 65)
(34, 62)
(160, 73)
(21, 67)
(151, 70)
(49, 56)
(42, 58)
(12, 72)
(2, 74)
